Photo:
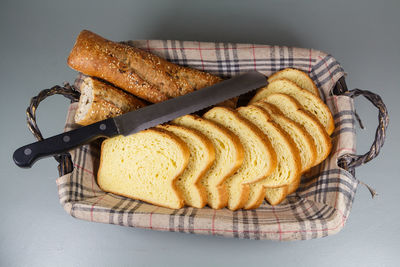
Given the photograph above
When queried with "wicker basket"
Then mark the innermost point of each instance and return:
(304, 215)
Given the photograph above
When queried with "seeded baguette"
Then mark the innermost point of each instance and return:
(138, 72)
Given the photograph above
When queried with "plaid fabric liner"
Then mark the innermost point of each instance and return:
(319, 208)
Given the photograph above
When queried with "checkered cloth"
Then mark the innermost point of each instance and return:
(319, 208)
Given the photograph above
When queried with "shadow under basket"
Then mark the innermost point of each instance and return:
(321, 205)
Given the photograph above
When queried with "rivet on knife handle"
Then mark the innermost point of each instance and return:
(27, 155)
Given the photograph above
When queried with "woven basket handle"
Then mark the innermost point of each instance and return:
(351, 161)
(65, 163)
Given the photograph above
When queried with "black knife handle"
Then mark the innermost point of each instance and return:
(27, 155)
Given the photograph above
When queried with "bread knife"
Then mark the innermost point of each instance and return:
(141, 119)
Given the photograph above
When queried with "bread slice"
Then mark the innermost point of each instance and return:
(99, 101)
(303, 140)
(202, 156)
(229, 156)
(275, 196)
(291, 109)
(298, 77)
(259, 156)
(144, 166)
(288, 166)
(307, 100)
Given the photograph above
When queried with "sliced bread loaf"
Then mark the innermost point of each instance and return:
(298, 77)
(259, 156)
(144, 166)
(291, 109)
(288, 166)
(202, 156)
(229, 155)
(309, 102)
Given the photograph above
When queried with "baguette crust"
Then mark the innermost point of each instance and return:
(136, 71)
(107, 101)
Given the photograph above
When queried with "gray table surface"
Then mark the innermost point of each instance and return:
(36, 37)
